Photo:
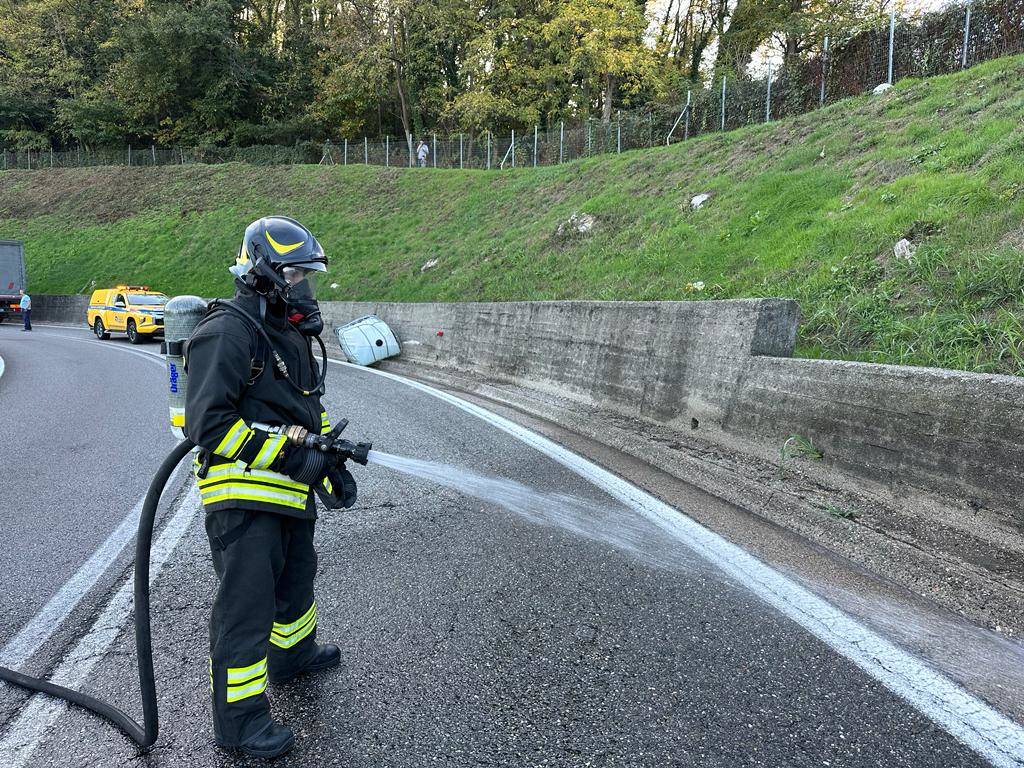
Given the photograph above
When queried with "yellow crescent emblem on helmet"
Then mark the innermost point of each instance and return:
(283, 249)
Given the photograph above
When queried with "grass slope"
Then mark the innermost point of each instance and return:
(807, 208)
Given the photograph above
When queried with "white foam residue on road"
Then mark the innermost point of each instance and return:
(39, 716)
(591, 519)
(970, 720)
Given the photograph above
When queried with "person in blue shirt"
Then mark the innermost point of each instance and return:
(26, 310)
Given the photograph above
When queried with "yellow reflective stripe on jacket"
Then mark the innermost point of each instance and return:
(234, 440)
(240, 492)
(238, 471)
(270, 450)
(325, 423)
(287, 635)
(236, 482)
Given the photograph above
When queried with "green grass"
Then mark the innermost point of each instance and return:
(807, 208)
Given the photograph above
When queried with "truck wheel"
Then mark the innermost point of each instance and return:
(133, 333)
(99, 330)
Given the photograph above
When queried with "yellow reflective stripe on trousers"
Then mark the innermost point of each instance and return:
(271, 448)
(244, 682)
(239, 692)
(245, 674)
(325, 423)
(287, 635)
(233, 440)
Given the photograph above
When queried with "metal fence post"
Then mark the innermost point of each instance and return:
(824, 72)
(723, 102)
(689, 105)
(536, 128)
(153, 150)
(366, 150)
(768, 98)
(387, 151)
(892, 43)
(344, 157)
(79, 155)
(488, 150)
(590, 136)
(460, 151)
(618, 131)
(129, 155)
(51, 156)
(967, 32)
(561, 141)
(433, 148)
(513, 148)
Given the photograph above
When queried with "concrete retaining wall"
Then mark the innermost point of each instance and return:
(667, 361)
(725, 367)
(942, 431)
(60, 309)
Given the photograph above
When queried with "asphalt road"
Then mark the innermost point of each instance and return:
(81, 426)
(470, 636)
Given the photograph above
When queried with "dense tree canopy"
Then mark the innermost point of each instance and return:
(100, 72)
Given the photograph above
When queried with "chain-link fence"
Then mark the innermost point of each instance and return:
(933, 44)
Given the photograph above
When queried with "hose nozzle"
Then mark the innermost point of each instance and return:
(330, 443)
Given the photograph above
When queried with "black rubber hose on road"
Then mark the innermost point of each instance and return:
(144, 734)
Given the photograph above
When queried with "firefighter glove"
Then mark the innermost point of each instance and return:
(338, 489)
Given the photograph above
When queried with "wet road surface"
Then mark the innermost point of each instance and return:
(471, 637)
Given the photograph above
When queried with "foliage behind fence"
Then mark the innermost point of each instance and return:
(933, 44)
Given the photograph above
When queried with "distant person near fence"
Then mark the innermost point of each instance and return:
(26, 310)
(422, 152)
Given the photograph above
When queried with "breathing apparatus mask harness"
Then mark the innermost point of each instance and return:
(279, 362)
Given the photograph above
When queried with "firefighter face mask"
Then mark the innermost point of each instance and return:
(300, 296)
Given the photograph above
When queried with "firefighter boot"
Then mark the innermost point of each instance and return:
(273, 741)
(326, 656)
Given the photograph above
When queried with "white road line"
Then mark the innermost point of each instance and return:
(39, 716)
(970, 720)
(3, 367)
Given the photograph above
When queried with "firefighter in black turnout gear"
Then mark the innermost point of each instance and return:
(251, 369)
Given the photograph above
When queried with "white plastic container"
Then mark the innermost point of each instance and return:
(367, 340)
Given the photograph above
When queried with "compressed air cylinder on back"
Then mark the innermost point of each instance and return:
(181, 315)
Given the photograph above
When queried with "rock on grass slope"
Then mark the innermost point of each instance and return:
(809, 208)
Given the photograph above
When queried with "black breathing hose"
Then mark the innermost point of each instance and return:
(143, 734)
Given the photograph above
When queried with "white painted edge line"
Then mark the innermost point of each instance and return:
(970, 720)
(39, 716)
(3, 366)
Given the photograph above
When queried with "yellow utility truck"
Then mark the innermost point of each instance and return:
(133, 309)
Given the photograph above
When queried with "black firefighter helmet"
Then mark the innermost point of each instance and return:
(274, 249)
(278, 259)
